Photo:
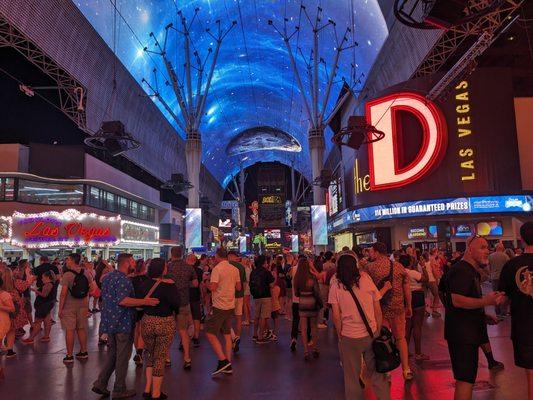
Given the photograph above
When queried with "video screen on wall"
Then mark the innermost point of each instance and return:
(294, 243)
(489, 228)
(224, 223)
(193, 228)
(273, 233)
(242, 244)
(319, 225)
(464, 230)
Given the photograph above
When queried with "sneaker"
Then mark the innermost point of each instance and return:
(228, 370)
(236, 343)
(27, 341)
(221, 366)
(273, 337)
(293, 345)
(195, 342)
(82, 355)
(267, 335)
(11, 354)
(68, 359)
(124, 395)
(187, 365)
(496, 366)
(322, 326)
(101, 392)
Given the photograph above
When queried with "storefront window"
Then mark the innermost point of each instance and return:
(123, 203)
(134, 208)
(7, 189)
(143, 211)
(95, 197)
(49, 193)
(110, 201)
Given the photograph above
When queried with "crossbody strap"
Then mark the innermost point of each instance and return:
(361, 312)
(152, 289)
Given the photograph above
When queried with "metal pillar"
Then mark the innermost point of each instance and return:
(242, 198)
(316, 113)
(190, 99)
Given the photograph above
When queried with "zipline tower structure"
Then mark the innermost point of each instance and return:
(314, 108)
(190, 96)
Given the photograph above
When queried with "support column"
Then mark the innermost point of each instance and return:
(193, 155)
(316, 148)
(242, 200)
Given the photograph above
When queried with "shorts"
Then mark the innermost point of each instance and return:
(418, 299)
(263, 307)
(183, 317)
(42, 310)
(397, 325)
(239, 302)
(465, 358)
(196, 310)
(523, 355)
(74, 319)
(219, 321)
(274, 314)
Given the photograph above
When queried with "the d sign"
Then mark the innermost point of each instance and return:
(385, 172)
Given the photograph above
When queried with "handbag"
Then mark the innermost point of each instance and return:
(386, 354)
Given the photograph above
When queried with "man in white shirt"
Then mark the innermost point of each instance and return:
(225, 280)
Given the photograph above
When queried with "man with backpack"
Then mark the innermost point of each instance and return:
(261, 281)
(73, 304)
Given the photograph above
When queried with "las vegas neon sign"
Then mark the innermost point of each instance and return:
(384, 155)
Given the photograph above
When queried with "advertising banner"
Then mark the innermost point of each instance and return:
(424, 208)
(319, 225)
(67, 228)
(193, 228)
(134, 232)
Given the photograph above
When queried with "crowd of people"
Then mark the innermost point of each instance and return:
(356, 292)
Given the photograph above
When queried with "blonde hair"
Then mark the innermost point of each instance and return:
(9, 283)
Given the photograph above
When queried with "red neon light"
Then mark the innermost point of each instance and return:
(436, 156)
(72, 229)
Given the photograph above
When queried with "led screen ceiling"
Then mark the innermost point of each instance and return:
(254, 85)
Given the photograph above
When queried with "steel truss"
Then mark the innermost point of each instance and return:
(71, 93)
(448, 44)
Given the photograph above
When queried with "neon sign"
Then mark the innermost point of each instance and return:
(384, 155)
(67, 228)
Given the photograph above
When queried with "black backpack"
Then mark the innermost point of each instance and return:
(80, 286)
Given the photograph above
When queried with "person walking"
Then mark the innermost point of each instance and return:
(45, 299)
(516, 282)
(261, 281)
(195, 299)
(234, 260)
(496, 262)
(391, 279)
(355, 340)
(158, 325)
(73, 305)
(18, 317)
(224, 281)
(465, 323)
(184, 277)
(7, 307)
(308, 293)
(117, 322)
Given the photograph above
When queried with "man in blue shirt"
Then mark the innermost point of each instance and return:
(118, 323)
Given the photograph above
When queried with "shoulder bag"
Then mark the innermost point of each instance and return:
(386, 353)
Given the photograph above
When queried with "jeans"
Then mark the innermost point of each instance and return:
(118, 356)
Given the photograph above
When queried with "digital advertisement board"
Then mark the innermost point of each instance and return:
(294, 243)
(193, 228)
(425, 208)
(319, 225)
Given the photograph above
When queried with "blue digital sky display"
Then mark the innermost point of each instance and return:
(254, 84)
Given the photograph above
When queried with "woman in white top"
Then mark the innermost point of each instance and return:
(354, 339)
(432, 283)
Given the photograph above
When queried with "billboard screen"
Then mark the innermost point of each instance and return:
(319, 225)
(242, 244)
(294, 243)
(193, 228)
(489, 228)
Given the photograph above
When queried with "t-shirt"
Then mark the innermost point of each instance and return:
(116, 318)
(351, 321)
(194, 292)
(68, 280)
(496, 262)
(518, 287)
(242, 276)
(167, 293)
(226, 276)
(264, 278)
(182, 274)
(462, 325)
